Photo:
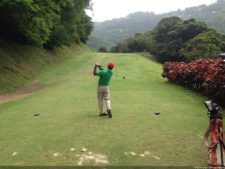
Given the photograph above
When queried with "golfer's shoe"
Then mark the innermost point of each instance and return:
(103, 114)
(109, 113)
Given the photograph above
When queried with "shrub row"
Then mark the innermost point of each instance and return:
(204, 75)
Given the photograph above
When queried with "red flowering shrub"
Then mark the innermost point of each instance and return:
(204, 75)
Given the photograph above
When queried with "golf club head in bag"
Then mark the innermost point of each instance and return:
(213, 110)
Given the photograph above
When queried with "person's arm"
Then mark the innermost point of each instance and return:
(95, 69)
(100, 67)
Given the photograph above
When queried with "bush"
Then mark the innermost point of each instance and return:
(205, 76)
(102, 49)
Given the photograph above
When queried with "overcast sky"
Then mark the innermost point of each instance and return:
(109, 9)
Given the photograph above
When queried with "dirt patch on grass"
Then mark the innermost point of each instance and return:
(91, 158)
(22, 92)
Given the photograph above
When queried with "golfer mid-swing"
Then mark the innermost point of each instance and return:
(103, 88)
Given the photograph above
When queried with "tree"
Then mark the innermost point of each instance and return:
(28, 21)
(189, 29)
(206, 44)
(170, 36)
(102, 49)
(176, 40)
(48, 23)
(165, 27)
(74, 25)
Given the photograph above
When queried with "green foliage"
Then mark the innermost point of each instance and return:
(206, 44)
(138, 43)
(212, 15)
(74, 25)
(114, 31)
(48, 23)
(27, 20)
(98, 42)
(176, 40)
(189, 29)
(170, 36)
(165, 30)
(102, 49)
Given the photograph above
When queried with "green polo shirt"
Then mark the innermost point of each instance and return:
(105, 77)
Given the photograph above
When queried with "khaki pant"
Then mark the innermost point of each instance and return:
(103, 94)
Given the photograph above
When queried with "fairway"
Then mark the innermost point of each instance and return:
(69, 119)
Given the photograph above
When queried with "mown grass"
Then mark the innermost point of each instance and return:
(69, 117)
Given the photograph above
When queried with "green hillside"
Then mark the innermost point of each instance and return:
(20, 63)
(68, 118)
(116, 30)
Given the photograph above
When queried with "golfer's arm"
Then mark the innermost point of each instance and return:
(101, 68)
(94, 71)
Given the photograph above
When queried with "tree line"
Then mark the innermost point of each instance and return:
(174, 39)
(45, 23)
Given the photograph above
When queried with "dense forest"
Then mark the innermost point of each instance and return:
(174, 39)
(45, 23)
(109, 33)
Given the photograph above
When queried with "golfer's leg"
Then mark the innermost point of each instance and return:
(108, 106)
(100, 101)
(107, 102)
(107, 98)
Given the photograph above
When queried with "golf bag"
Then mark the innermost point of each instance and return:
(216, 154)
